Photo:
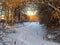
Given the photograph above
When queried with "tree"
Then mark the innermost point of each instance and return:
(50, 13)
(46, 12)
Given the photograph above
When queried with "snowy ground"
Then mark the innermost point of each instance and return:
(28, 34)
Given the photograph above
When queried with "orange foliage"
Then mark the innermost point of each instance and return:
(34, 18)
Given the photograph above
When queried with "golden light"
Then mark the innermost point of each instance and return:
(31, 13)
(2, 17)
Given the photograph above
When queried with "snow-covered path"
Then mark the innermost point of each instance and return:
(31, 34)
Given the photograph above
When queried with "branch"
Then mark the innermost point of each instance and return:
(54, 7)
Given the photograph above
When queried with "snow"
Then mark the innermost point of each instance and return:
(28, 34)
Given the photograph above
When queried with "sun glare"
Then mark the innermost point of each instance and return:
(31, 13)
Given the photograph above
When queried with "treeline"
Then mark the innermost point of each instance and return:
(48, 15)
